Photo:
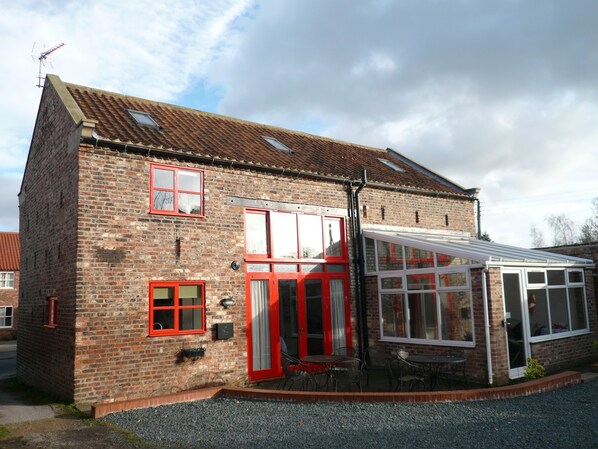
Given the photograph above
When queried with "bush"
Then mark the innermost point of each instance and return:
(533, 370)
(595, 344)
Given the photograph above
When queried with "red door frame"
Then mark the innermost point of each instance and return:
(273, 301)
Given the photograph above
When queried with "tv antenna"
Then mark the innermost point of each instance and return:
(42, 60)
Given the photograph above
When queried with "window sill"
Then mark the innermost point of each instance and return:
(175, 214)
(50, 326)
(176, 334)
(411, 341)
(559, 336)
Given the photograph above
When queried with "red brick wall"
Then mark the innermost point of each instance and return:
(122, 248)
(48, 232)
(10, 297)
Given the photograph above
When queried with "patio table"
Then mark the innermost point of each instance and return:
(433, 363)
(330, 363)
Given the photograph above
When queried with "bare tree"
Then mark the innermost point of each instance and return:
(537, 237)
(589, 230)
(563, 229)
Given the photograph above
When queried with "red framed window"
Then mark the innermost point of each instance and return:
(288, 236)
(176, 191)
(177, 307)
(51, 311)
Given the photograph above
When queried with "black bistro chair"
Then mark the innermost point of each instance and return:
(405, 374)
(348, 375)
(375, 361)
(453, 375)
(294, 370)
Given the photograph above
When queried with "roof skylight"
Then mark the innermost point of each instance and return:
(277, 144)
(143, 119)
(391, 164)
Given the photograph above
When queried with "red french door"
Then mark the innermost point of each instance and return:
(296, 313)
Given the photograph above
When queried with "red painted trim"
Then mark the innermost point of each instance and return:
(175, 308)
(175, 191)
(300, 277)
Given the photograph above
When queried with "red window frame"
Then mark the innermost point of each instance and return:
(176, 307)
(269, 235)
(51, 311)
(175, 190)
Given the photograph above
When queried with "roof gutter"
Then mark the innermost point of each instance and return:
(95, 139)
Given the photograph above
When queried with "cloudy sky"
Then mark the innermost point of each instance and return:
(497, 95)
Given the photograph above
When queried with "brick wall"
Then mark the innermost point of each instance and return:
(10, 297)
(122, 248)
(48, 231)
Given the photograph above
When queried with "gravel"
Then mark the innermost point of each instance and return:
(566, 418)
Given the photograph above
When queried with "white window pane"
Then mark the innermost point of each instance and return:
(418, 258)
(423, 321)
(163, 179)
(284, 235)
(452, 279)
(559, 317)
(260, 325)
(310, 229)
(333, 237)
(393, 315)
(456, 316)
(390, 256)
(190, 181)
(577, 308)
(556, 277)
(189, 203)
(163, 200)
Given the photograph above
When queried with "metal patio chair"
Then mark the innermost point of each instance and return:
(405, 373)
(375, 360)
(295, 371)
(348, 375)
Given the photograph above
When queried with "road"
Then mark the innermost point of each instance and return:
(8, 359)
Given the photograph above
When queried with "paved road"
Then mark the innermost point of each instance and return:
(8, 359)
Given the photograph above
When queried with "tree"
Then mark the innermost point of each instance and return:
(563, 229)
(485, 236)
(589, 230)
(537, 237)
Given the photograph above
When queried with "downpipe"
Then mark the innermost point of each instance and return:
(485, 271)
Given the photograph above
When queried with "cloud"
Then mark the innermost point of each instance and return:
(156, 50)
(497, 95)
(9, 205)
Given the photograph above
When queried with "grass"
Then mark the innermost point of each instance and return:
(4, 431)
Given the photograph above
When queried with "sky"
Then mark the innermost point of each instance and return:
(502, 96)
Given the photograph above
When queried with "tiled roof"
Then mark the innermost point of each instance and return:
(225, 138)
(10, 251)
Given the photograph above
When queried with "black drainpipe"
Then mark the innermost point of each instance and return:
(360, 278)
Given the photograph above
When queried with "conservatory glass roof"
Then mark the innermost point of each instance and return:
(494, 254)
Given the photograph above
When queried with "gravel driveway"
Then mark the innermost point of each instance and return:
(567, 418)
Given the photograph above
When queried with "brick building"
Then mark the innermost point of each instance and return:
(9, 284)
(166, 249)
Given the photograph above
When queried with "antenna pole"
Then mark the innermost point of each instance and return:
(42, 61)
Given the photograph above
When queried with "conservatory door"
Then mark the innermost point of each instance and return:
(515, 323)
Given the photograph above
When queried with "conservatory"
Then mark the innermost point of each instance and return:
(496, 304)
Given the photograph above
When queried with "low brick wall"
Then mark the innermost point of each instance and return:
(545, 384)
